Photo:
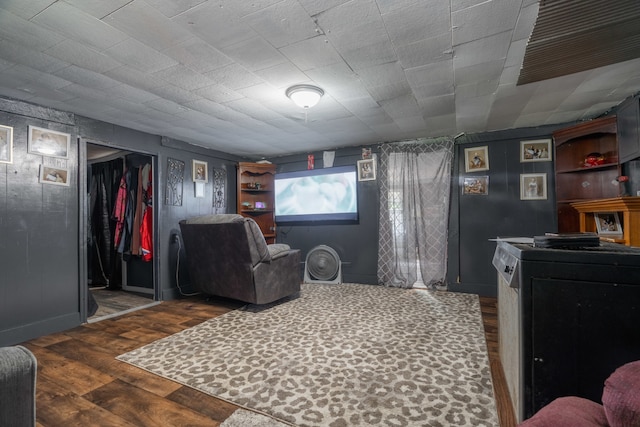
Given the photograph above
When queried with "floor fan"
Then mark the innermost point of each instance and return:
(323, 265)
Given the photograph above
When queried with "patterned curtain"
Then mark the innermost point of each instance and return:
(414, 179)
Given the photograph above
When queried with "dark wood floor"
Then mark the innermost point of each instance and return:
(81, 384)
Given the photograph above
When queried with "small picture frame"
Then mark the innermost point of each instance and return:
(6, 144)
(366, 170)
(47, 142)
(608, 223)
(476, 159)
(475, 185)
(200, 171)
(533, 186)
(54, 176)
(538, 150)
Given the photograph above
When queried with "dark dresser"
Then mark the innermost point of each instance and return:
(567, 319)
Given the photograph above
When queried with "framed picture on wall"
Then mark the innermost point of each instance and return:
(475, 185)
(6, 144)
(54, 176)
(48, 142)
(476, 159)
(533, 186)
(608, 223)
(538, 150)
(200, 171)
(367, 170)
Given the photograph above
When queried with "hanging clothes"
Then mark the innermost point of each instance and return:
(103, 181)
(146, 228)
(133, 210)
(120, 210)
(137, 216)
(131, 179)
(120, 222)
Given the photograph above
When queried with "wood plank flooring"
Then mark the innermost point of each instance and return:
(80, 383)
(111, 302)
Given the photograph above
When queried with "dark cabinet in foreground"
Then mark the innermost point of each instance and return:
(567, 320)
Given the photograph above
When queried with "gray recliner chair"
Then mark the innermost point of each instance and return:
(228, 256)
(18, 368)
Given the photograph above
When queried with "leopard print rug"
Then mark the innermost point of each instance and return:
(340, 355)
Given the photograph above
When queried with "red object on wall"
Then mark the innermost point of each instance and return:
(310, 162)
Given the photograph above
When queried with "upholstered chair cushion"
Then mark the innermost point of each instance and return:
(621, 396)
(257, 244)
(568, 412)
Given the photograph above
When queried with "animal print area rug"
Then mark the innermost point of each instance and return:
(340, 355)
(243, 418)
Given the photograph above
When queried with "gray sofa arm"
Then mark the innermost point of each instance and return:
(18, 369)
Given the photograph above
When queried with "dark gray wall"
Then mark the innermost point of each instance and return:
(356, 244)
(41, 246)
(38, 235)
(475, 219)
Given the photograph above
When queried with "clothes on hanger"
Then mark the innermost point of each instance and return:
(134, 231)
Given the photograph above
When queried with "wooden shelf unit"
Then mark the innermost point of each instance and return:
(628, 209)
(255, 185)
(576, 181)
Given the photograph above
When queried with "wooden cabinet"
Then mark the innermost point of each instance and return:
(628, 209)
(256, 197)
(580, 178)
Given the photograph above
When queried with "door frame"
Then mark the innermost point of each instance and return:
(83, 212)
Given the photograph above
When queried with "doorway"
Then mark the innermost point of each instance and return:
(118, 270)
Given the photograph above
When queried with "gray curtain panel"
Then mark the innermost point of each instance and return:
(414, 179)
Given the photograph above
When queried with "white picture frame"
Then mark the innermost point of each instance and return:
(475, 185)
(54, 175)
(200, 171)
(47, 142)
(533, 186)
(608, 223)
(476, 159)
(6, 144)
(367, 170)
(537, 150)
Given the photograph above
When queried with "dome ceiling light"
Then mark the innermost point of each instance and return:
(305, 96)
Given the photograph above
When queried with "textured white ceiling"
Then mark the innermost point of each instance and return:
(214, 73)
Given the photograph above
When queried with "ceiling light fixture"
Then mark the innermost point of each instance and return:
(305, 96)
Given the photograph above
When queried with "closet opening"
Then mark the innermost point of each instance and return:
(119, 273)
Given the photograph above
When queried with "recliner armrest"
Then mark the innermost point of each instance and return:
(278, 250)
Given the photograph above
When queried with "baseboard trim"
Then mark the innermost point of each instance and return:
(43, 327)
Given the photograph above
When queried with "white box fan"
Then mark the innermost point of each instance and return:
(323, 265)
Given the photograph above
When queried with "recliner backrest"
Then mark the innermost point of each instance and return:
(257, 244)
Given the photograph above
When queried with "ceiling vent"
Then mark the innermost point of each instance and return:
(579, 35)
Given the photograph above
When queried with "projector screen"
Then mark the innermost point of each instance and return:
(329, 194)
